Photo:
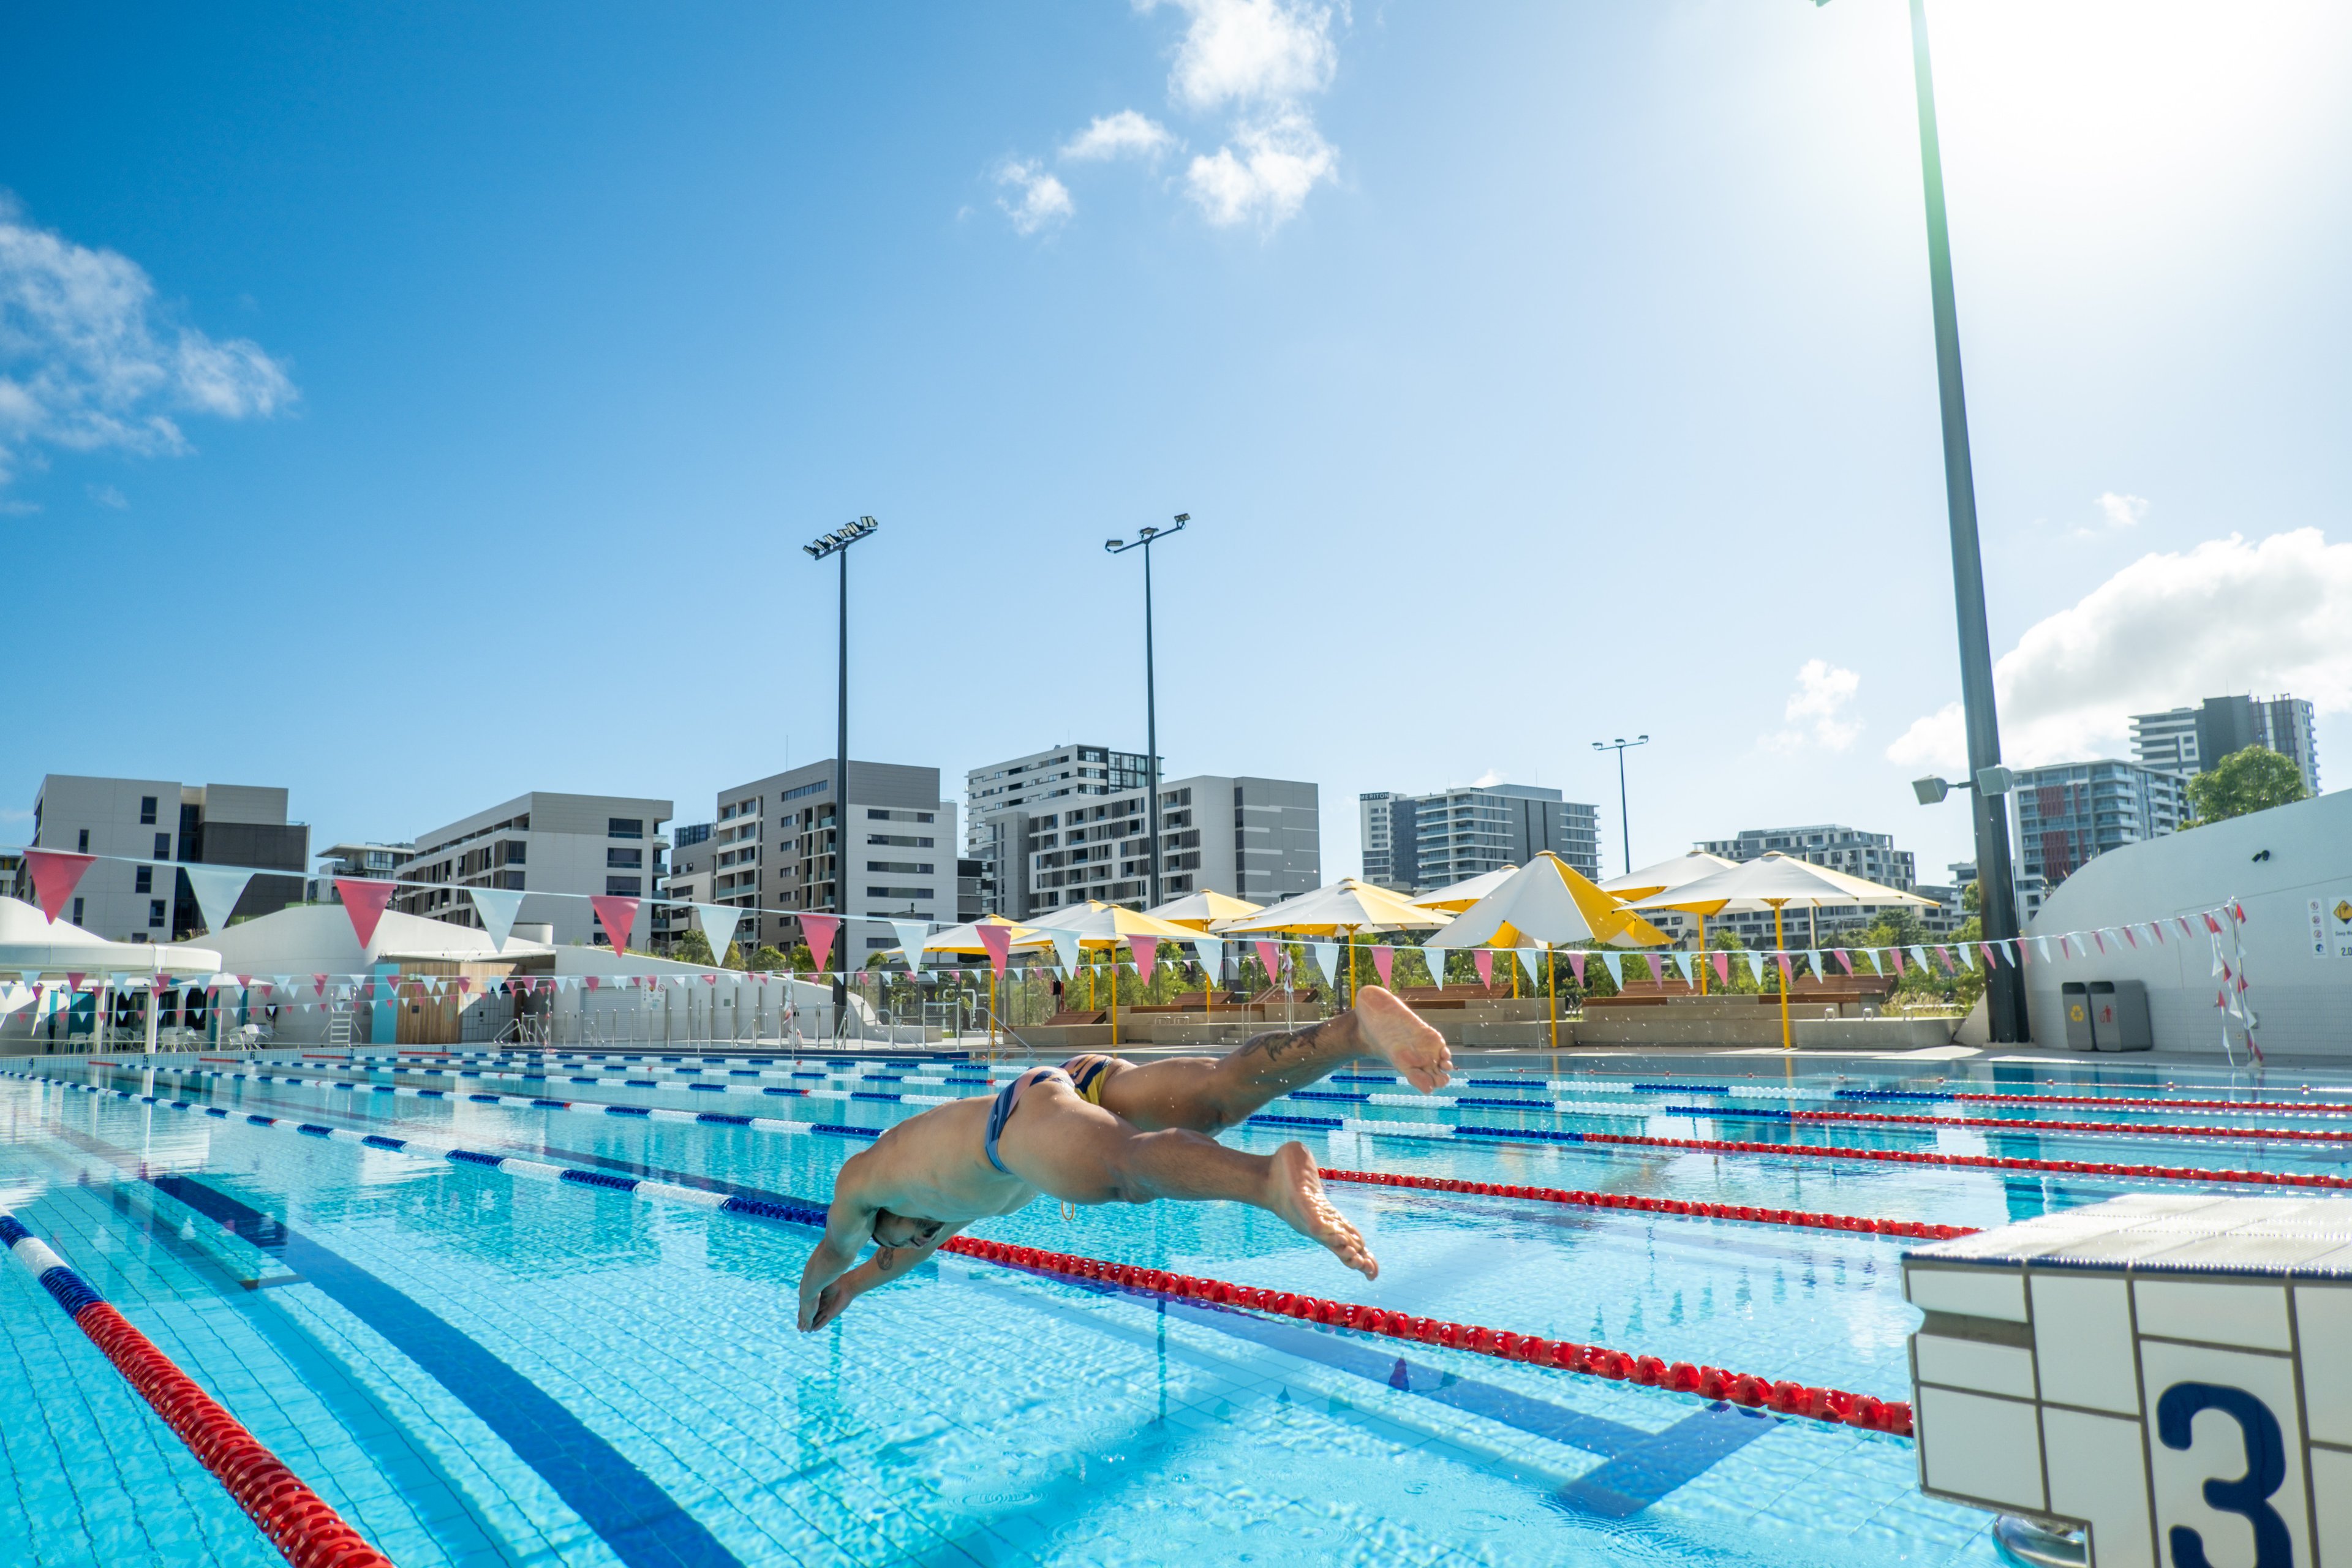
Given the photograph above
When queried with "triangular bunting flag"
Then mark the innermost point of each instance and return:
(1270, 954)
(1146, 955)
(1327, 959)
(818, 931)
(1722, 962)
(998, 939)
(497, 908)
(1212, 954)
(1683, 963)
(1756, 964)
(718, 923)
(1845, 959)
(1384, 960)
(56, 874)
(1814, 956)
(217, 890)
(618, 913)
(912, 934)
(1484, 961)
(1615, 962)
(1576, 957)
(364, 901)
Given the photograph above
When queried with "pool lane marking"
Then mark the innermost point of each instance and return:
(1890, 1119)
(297, 1522)
(1612, 1140)
(1673, 1207)
(1783, 1396)
(629, 1511)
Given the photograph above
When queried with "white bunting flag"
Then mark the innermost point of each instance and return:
(912, 934)
(718, 923)
(1211, 952)
(1616, 962)
(1066, 948)
(1756, 964)
(217, 890)
(497, 907)
(1327, 959)
(1683, 963)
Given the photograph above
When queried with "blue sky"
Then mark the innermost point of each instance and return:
(418, 406)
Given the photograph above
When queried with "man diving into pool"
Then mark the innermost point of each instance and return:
(1097, 1130)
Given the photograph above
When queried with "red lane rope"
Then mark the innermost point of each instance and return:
(1854, 1223)
(297, 1522)
(2246, 1107)
(1783, 1397)
(1973, 1162)
(2152, 1130)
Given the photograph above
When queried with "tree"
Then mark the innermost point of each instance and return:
(2254, 779)
(690, 947)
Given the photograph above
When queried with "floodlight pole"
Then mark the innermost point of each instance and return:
(1996, 892)
(837, 542)
(1624, 820)
(1145, 538)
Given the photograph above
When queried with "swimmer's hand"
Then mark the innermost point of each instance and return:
(827, 1306)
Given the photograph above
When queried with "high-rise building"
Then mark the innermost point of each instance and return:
(774, 847)
(545, 842)
(1000, 799)
(158, 824)
(1259, 839)
(1414, 843)
(2070, 812)
(2187, 741)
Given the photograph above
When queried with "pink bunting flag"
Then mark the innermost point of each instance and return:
(998, 939)
(619, 914)
(2156, 930)
(818, 931)
(1146, 955)
(1575, 964)
(2186, 928)
(591, 982)
(73, 978)
(2101, 938)
(365, 902)
(1991, 954)
(1782, 958)
(2130, 939)
(1722, 962)
(1897, 953)
(2212, 924)
(1845, 959)
(1943, 957)
(1384, 960)
(1270, 954)
(1485, 959)
(2019, 954)
(319, 984)
(56, 874)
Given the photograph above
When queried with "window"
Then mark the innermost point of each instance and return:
(77, 914)
(163, 846)
(624, 827)
(626, 887)
(514, 853)
(625, 859)
(897, 892)
(146, 811)
(806, 789)
(143, 880)
(901, 867)
(82, 842)
(155, 913)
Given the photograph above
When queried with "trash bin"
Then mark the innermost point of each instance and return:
(2119, 1016)
(2074, 996)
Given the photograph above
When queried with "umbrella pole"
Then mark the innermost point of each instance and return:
(991, 1009)
(1113, 998)
(1704, 963)
(1781, 958)
(1552, 987)
(1354, 984)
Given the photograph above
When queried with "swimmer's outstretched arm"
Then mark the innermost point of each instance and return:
(832, 1296)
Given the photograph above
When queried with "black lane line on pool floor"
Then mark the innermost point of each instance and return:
(1640, 1468)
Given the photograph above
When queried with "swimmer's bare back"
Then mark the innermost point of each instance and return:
(929, 1176)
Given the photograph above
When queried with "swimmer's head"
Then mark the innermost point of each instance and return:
(898, 1230)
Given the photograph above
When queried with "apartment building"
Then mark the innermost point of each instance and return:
(546, 843)
(775, 846)
(2186, 741)
(2069, 813)
(1854, 851)
(1256, 838)
(1002, 798)
(1416, 843)
(159, 825)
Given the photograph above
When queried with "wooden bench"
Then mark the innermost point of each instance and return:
(1060, 1020)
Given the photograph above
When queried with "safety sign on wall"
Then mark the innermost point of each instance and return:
(2331, 927)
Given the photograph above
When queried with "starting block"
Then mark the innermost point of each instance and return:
(2170, 1374)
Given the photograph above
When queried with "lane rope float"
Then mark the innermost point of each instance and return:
(297, 1522)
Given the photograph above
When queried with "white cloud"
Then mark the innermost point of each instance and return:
(1489, 779)
(2164, 632)
(2122, 512)
(1043, 200)
(1124, 134)
(1251, 52)
(107, 495)
(1268, 181)
(88, 360)
(1816, 709)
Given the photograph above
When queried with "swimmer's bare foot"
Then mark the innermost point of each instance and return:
(1397, 1034)
(1294, 1191)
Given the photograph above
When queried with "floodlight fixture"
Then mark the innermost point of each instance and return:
(1146, 537)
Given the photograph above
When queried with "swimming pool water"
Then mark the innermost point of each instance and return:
(479, 1369)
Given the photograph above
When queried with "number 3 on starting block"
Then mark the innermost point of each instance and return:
(2172, 1375)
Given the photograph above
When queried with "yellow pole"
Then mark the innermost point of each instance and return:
(1781, 943)
(1552, 987)
(991, 1007)
(1114, 996)
(1705, 963)
(1354, 984)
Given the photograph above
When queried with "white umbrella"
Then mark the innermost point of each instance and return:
(1680, 871)
(31, 942)
(1550, 902)
(1774, 881)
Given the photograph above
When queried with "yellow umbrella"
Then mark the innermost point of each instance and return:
(1344, 908)
(1099, 925)
(1774, 881)
(1682, 869)
(1550, 902)
(1461, 895)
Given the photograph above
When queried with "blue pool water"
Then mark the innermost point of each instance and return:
(476, 1368)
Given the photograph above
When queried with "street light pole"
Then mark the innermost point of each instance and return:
(1996, 895)
(1145, 537)
(1624, 818)
(837, 542)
